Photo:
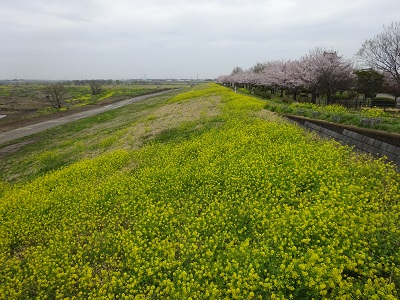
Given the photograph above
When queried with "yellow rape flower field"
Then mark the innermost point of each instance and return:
(231, 202)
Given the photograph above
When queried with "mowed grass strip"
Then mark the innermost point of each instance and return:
(212, 198)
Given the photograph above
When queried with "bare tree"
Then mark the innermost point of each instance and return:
(95, 85)
(55, 94)
(382, 52)
(390, 86)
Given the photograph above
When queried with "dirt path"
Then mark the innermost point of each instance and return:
(35, 128)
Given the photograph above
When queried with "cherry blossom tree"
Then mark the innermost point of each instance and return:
(294, 77)
(273, 76)
(309, 75)
(326, 72)
(236, 76)
(263, 77)
(259, 67)
(222, 79)
(318, 72)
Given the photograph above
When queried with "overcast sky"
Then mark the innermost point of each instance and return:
(123, 39)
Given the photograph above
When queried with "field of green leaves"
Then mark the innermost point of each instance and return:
(197, 195)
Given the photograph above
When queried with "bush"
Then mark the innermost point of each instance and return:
(383, 102)
(384, 99)
(262, 93)
(341, 97)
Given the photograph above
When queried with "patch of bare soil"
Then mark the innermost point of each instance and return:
(15, 147)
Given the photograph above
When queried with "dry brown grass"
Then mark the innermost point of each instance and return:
(168, 117)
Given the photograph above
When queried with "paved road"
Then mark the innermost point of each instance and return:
(28, 130)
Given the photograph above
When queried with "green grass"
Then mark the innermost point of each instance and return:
(81, 96)
(201, 194)
(389, 122)
(4, 90)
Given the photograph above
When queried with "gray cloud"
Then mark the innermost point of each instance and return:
(177, 38)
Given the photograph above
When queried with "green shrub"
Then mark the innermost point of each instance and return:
(262, 92)
(383, 102)
(384, 99)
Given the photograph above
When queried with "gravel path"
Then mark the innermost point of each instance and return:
(35, 128)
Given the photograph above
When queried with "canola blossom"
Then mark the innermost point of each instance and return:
(248, 209)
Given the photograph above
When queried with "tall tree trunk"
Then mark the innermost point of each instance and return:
(295, 95)
(328, 98)
(314, 97)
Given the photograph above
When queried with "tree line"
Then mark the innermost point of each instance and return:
(326, 72)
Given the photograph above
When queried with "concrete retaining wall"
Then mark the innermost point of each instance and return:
(359, 141)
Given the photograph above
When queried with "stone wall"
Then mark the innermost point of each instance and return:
(359, 141)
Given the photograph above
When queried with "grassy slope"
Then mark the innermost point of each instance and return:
(202, 195)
